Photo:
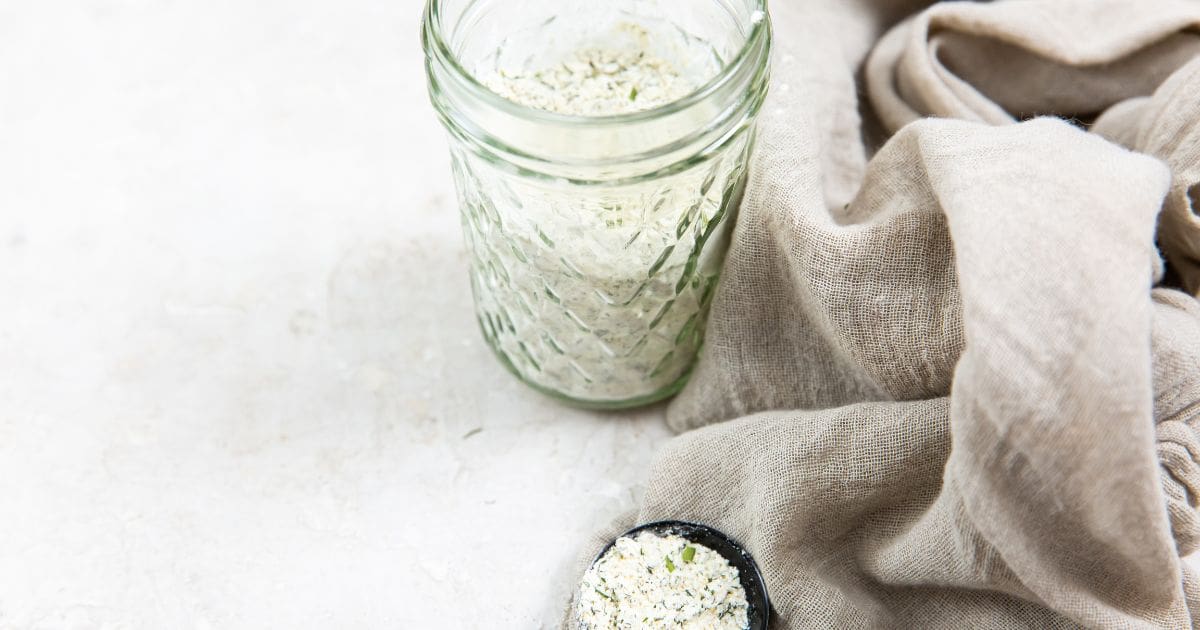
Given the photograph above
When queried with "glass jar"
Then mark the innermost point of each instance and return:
(596, 241)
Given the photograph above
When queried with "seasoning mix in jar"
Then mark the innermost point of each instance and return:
(599, 152)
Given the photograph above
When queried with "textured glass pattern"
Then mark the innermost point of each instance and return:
(598, 292)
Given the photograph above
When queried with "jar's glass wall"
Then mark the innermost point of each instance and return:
(592, 276)
(598, 293)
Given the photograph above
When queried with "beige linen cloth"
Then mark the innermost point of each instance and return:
(952, 386)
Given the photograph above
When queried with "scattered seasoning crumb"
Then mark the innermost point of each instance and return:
(700, 591)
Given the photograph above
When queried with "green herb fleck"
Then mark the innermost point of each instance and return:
(670, 565)
(689, 553)
(605, 595)
(633, 94)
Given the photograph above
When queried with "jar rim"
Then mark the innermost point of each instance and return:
(436, 46)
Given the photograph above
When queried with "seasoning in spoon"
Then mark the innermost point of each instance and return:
(652, 581)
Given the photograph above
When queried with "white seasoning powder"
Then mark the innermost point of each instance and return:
(599, 291)
(653, 581)
(595, 82)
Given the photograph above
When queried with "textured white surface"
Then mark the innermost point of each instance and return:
(240, 382)
(238, 364)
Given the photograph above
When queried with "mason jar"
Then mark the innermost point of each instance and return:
(596, 240)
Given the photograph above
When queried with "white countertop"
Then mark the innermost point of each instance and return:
(241, 385)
